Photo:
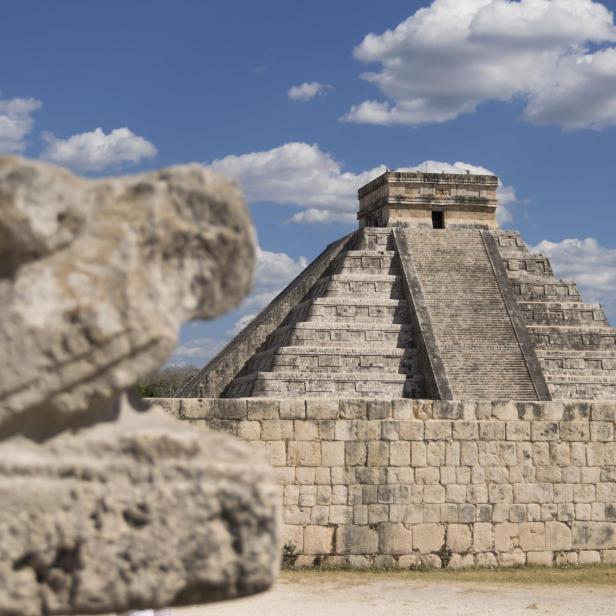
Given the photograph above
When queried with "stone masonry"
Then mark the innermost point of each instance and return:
(427, 299)
(429, 394)
(408, 483)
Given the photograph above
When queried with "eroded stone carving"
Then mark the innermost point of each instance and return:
(108, 505)
(97, 276)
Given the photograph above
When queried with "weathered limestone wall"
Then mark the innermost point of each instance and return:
(434, 483)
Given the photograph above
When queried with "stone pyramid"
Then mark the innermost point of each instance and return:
(427, 299)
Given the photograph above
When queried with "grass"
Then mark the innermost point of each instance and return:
(592, 575)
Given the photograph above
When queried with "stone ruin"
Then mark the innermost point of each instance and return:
(109, 504)
(428, 392)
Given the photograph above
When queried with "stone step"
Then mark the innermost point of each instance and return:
(342, 334)
(476, 339)
(563, 313)
(371, 238)
(581, 376)
(366, 261)
(509, 240)
(315, 384)
(569, 359)
(366, 358)
(353, 308)
(582, 391)
(531, 288)
(535, 264)
(572, 337)
(336, 285)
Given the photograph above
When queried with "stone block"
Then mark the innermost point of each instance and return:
(293, 536)
(506, 537)
(601, 431)
(395, 539)
(379, 409)
(531, 536)
(459, 537)
(465, 430)
(345, 430)
(355, 453)
(271, 430)
(540, 559)
(483, 537)
(275, 453)
(486, 560)
(518, 430)
(341, 514)
(332, 453)
(589, 557)
(446, 409)
(594, 535)
(304, 453)
(368, 430)
(557, 536)
(384, 562)
(228, 409)
(411, 430)
(378, 453)
(461, 561)
(436, 430)
(428, 537)
(321, 408)
(292, 409)
(545, 431)
(249, 430)
(574, 430)
(418, 453)
(402, 409)
(603, 410)
(257, 409)
(352, 539)
(516, 558)
(504, 410)
(400, 453)
(533, 492)
(390, 430)
(353, 409)
(306, 430)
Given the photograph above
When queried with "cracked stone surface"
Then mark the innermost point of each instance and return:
(96, 277)
(142, 512)
(108, 504)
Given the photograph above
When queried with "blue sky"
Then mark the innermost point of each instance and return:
(524, 89)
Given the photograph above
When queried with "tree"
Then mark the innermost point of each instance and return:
(166, 382)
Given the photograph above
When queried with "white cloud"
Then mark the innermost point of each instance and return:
(303, 176)
(199, 349)
(276, 268)
(307, 91)
(448, 58)
(16, 123)
(300, 175)
(312, 215)
(95, 150)
(591, 265)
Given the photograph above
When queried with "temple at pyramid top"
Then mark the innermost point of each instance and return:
(428, 298)
(429, 200)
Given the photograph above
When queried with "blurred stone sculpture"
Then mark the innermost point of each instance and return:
(108, 505)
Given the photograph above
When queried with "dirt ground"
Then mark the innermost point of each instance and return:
(579, 592)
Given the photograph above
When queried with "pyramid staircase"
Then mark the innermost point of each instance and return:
(424, 313)
(474, 331)
(350, 335)
(573, 340)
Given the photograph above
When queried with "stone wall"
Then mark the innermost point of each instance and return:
(411, 483)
